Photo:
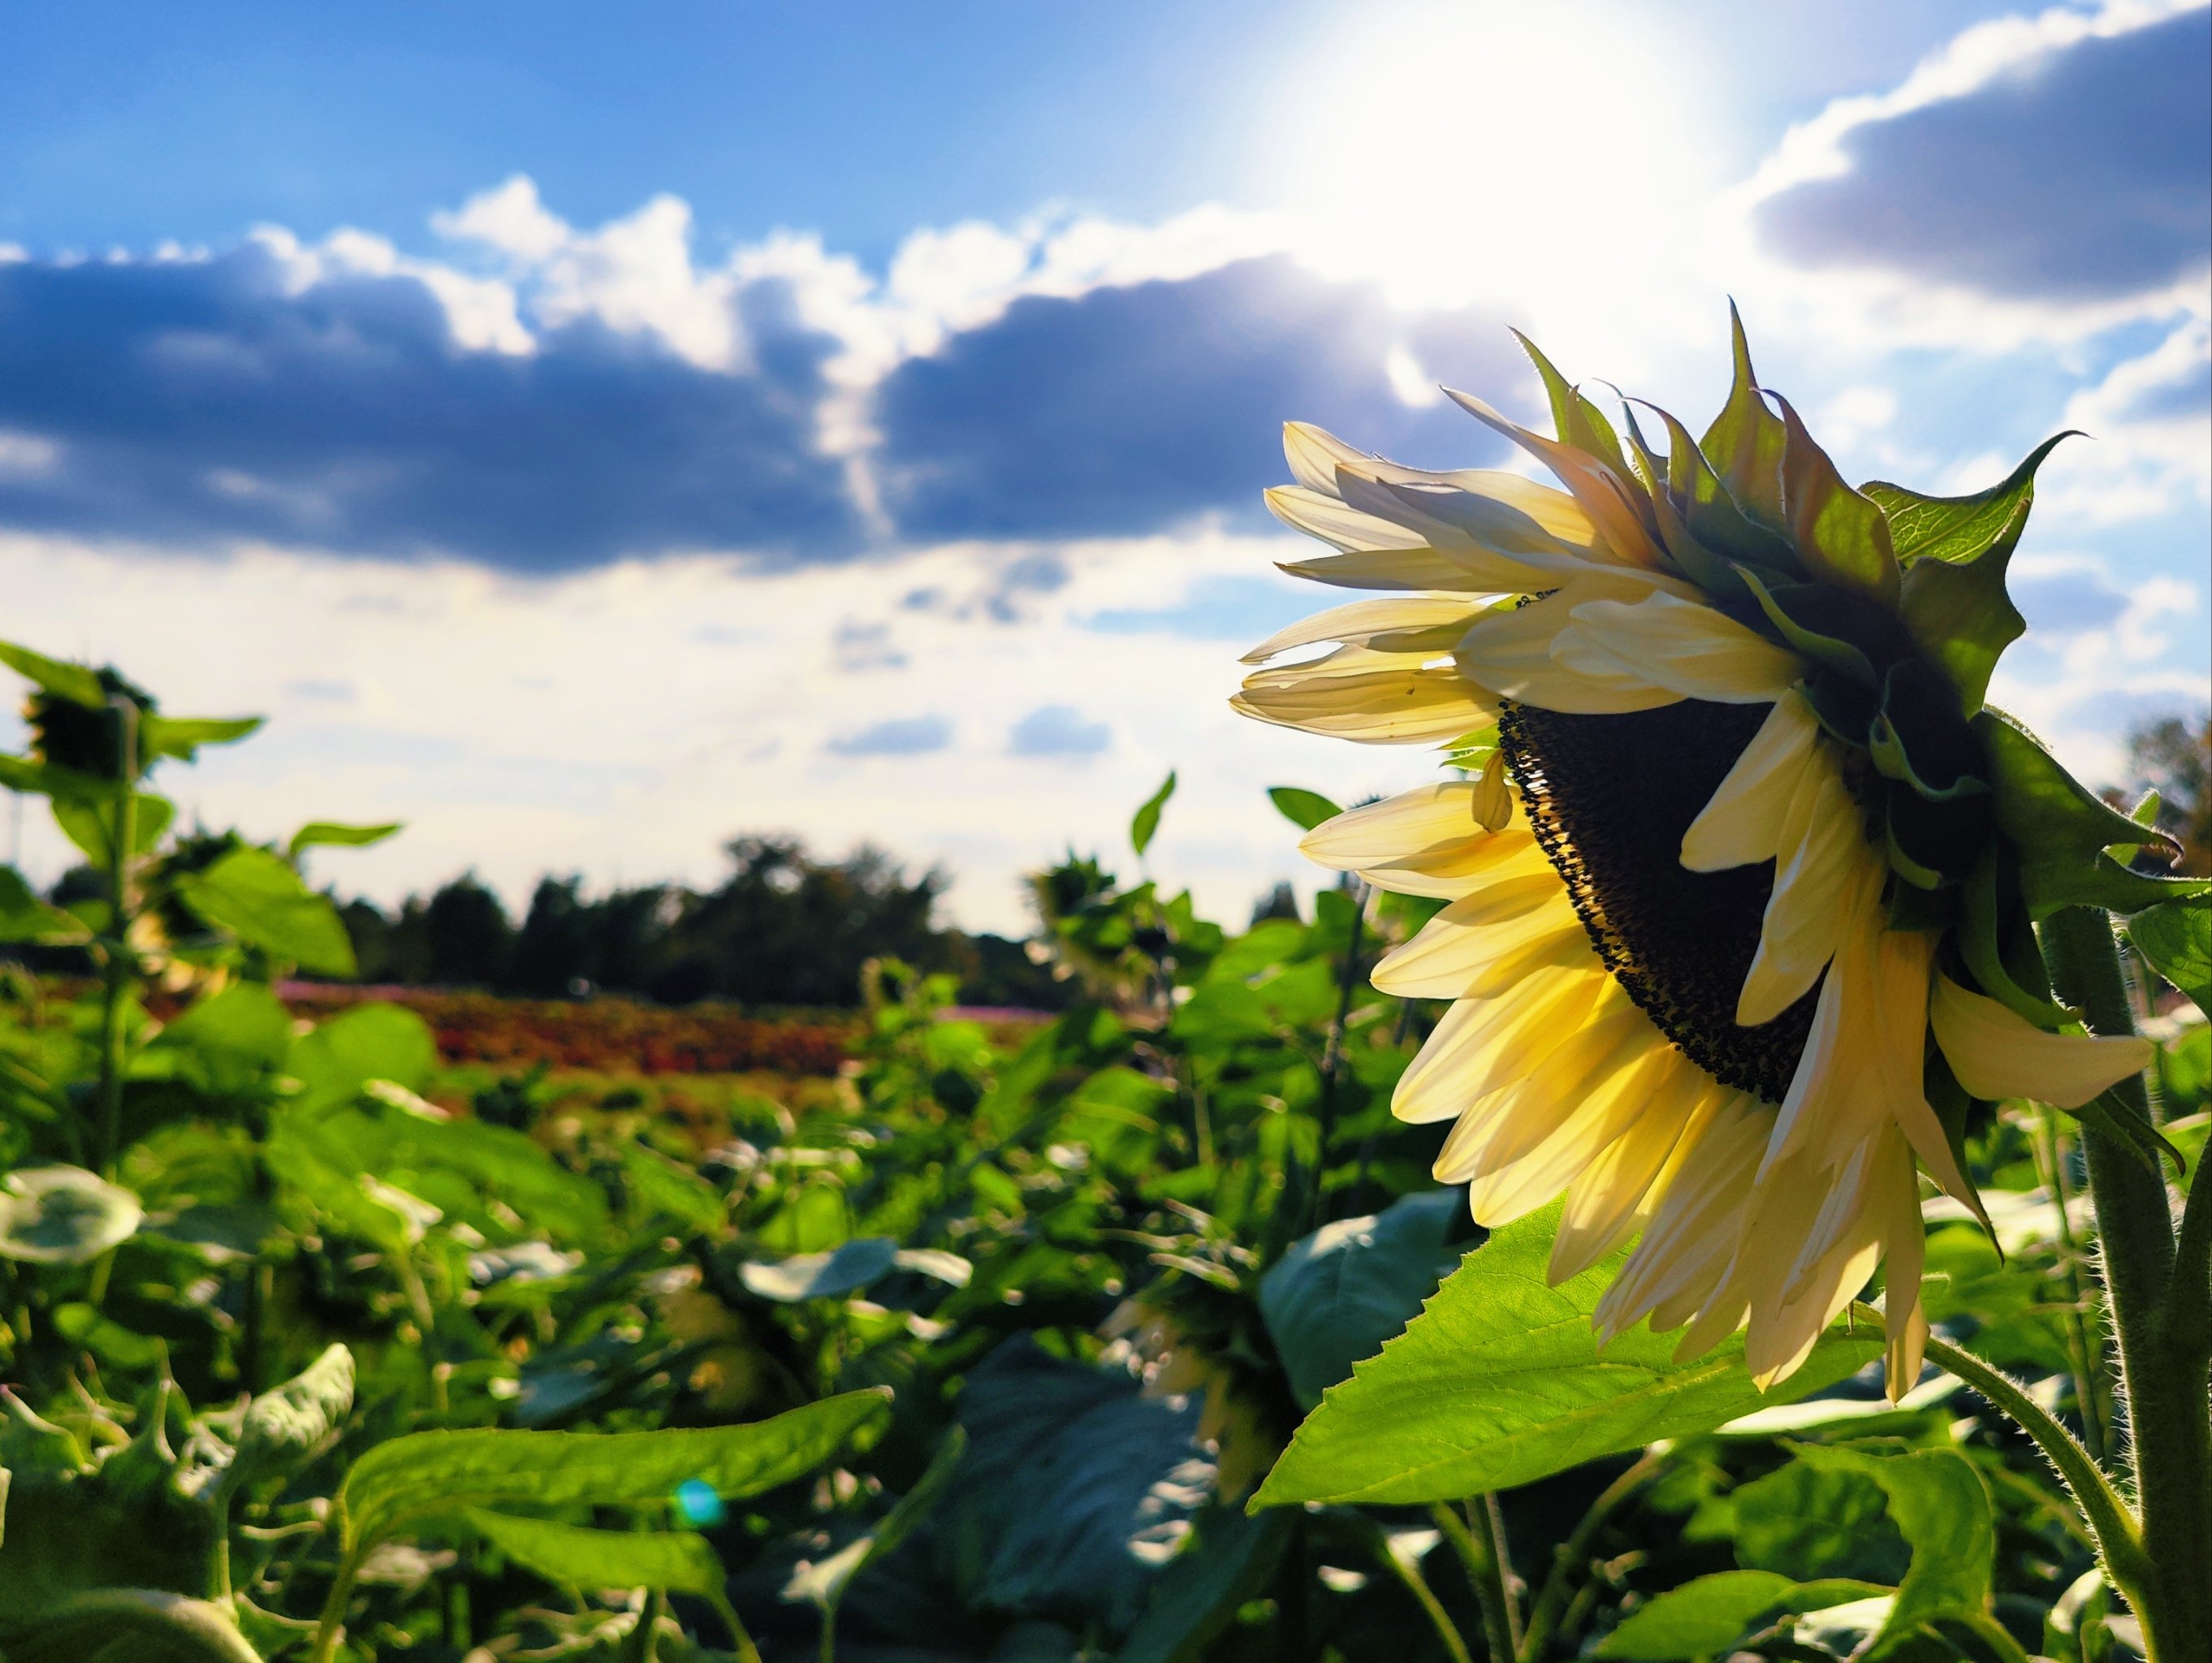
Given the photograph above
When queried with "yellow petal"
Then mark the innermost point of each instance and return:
(1468, 935)
(1690, 648)
(1415, 569)
(1403, 824)
(1427, 624)
(1606, 1200)
(1601, 492)
(1742, 823)
(1483, 1044)
(1382, 698)
(1996, 1053)
(1511, 654)
(1825, 865)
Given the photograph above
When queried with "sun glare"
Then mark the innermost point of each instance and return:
(1546, 154)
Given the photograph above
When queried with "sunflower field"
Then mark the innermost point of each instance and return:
(1148, 1332)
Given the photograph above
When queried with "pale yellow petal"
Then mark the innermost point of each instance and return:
(1608, 1199)
(1611, 1101)
(1466, 938)
(1482, 1044)
(1326, 516)
(1381, 698)
(1996, 1053)
(1405, 824)
(1690, 648)
(1601, 492)
(1825, 865)
(1430, 625)
(1417, 570)
(1742, 824)
(1511, 654)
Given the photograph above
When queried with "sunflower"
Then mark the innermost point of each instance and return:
(1739, 870)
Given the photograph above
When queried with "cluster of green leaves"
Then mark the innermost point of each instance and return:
(1148, 1338)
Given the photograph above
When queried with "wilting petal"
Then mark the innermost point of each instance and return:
(1427, 624)
(1511, 654)
(1690, 648)
(1998, 1053)
(1824, 867)
(1382, 698)
(1743, 821)
(1455, 946)
(1601, 492)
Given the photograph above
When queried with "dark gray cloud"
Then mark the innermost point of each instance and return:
(1059, 730)
(2083, 175)
(900, 736)
(194, 402)
(1129, 410)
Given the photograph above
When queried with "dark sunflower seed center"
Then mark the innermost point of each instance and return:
(1608, 799)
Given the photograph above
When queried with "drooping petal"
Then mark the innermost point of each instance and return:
(1601, 492)
(1455, 946)
(1689, 648)
(1607, 1200)
(1423, 819)
(1382, 698)
(1483, 1044)
(1427, 624)
(1511, 654)
(1825, 863)
(1742, 822)
(1998, 1053)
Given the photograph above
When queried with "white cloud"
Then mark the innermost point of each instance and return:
(2152, 434)
(625, 722)
(24, 454)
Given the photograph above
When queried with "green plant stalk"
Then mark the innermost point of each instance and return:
(1551, 1603)
(2082, 1346)
(741, 1640)
(1417, 1586)
(1332, 1056)
(2156, 1290)
(2112, 1524)
(115, 966)
(1484, 1556)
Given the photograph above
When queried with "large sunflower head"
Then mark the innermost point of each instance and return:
(1742, 868)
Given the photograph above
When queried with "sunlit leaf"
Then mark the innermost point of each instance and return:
(1304, 808)
(286, 1425)
(1147, 821)
(72, 682)
(257, 897)
(1711, 1615)
(331, 832)
(1499, 1383)
(334, 1061)
(845, 1269)
(428, 1474)
(129, 1626)
(2176, 937)
(182, 736)
(63, 1215)
(24, 917)
(577, 1557)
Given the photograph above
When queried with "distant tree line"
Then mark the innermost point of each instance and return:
(784, 928)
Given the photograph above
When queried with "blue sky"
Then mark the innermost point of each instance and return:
(590, 434)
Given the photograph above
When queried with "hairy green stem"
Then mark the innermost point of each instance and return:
(2160, 1326)
(2118, 1536)
(1480, 1541)
(1551, 1603)
(2083, 1345)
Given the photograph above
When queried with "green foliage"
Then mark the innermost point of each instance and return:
(1500, 1382)
(316, 1349)
(1147, 820)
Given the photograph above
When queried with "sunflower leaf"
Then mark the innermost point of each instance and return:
(1304, 808)
(575, 1555)
(1499, 1383)
(1842, 535)
(257, 896)
(1745, 441)
(2176, 936)
(1937, 1500)
(1576, 420)
(1960, 530)
(1147, 820)
(1788, 604)
(1959, 613)
(72, 682)
(1718, 1614)
(182, 736)
(2061, 830)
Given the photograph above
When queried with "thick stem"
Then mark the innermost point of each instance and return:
(115, 961)
(2165, 1350)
